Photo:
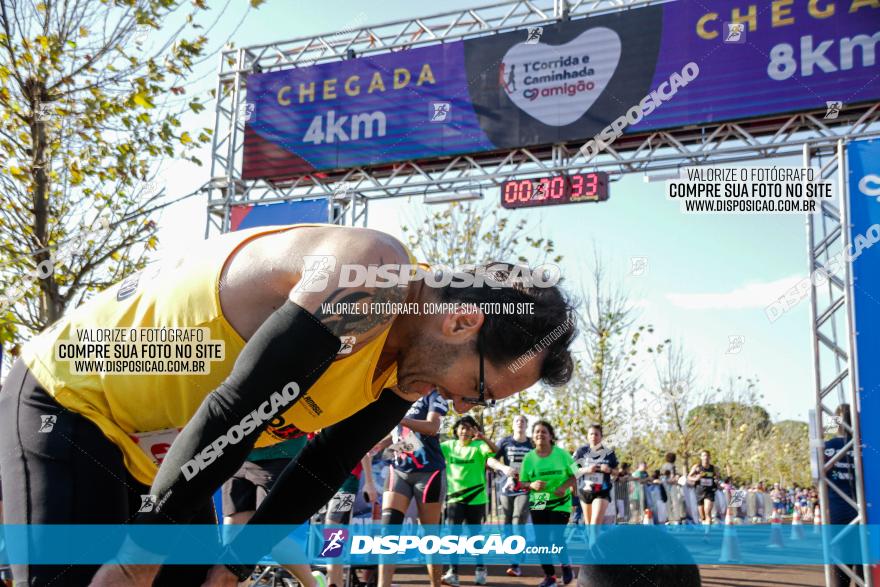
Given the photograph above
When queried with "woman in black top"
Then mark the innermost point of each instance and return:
(596, 465)
(704, 476)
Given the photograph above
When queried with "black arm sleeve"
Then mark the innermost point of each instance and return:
(311, 479)
(291, 346)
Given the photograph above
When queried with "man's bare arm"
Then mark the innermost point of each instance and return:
(429, 427)
(365, 324)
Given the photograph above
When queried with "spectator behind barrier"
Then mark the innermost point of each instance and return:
(653, 543)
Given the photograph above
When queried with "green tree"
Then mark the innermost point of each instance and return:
(729, 422)
(606, 375)
(730, 426)
(466, 233)
(676, 393)
(786, 453)
(91, 96)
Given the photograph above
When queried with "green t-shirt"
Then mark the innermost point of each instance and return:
(286, 449)
(554, 469)
(466, 471)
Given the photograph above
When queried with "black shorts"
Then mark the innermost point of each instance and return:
(70, 474)
(588, 496)
(426, 487)
(705, 493)
(246, 490)
(465, 513)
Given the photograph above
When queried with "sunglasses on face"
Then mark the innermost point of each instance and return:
(480, 400)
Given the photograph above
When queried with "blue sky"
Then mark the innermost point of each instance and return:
(708, 277)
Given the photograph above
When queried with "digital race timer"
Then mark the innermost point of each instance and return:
(557, 189)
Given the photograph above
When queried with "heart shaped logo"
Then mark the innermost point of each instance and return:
(557, 84)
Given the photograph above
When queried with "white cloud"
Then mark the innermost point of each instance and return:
(750, 295)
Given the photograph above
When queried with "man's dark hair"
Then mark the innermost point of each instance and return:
(597, 427)
(670, 457)
(551, 327)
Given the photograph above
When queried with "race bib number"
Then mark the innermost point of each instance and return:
(707, 482)
(156, 444)
(410, 444)
(539, 500)
(405, 441)
(595, 479)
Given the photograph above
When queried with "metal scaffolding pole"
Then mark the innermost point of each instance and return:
(834, 356)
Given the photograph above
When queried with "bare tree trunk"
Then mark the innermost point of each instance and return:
(50, 306)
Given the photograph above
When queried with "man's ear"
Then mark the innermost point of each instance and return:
(465, 322)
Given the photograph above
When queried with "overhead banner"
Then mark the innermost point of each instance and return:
(863, 160)
(296, 212)
(656, 67)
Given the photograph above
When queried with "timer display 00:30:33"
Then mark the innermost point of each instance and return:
(557, 189)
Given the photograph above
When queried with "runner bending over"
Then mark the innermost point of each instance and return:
(271, 299)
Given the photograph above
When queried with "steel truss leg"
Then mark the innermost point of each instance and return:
(834, 361)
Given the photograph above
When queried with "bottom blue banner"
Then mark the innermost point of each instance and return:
(488, 544)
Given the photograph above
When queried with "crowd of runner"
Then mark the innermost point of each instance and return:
(526, 477)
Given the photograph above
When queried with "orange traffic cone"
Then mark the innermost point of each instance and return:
(649, 517)
(797, 529)
(775, 532)
(729, 542)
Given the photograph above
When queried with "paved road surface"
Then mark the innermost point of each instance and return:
(712, 576)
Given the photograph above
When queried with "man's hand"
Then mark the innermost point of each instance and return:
(538, 485)
(111, 575)
(561, 490)
(220, 576)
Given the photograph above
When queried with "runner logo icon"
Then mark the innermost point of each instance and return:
(47, 423)
(832, 109)
(334, 540)
(735, 32)
(316, 272)
(148, 503)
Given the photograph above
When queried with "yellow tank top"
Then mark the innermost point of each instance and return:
(183, 292)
